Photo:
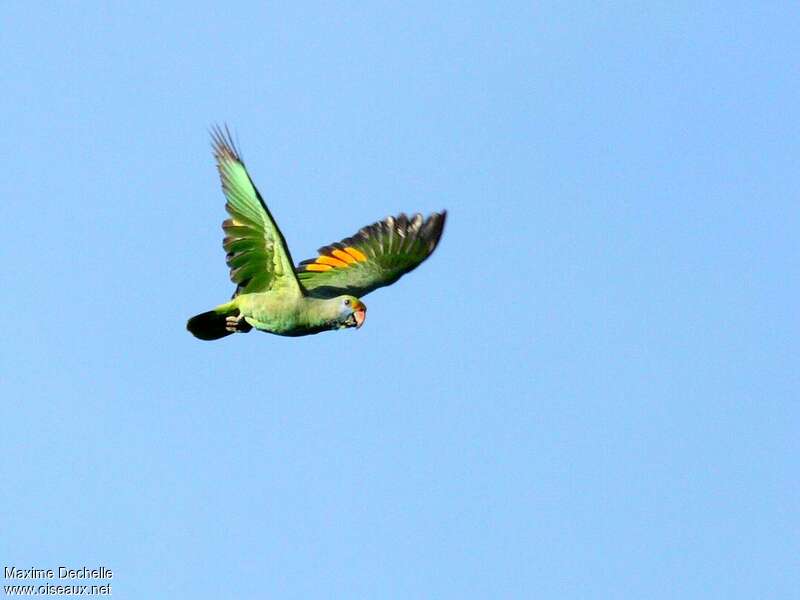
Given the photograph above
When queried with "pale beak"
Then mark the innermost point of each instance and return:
(360, 315)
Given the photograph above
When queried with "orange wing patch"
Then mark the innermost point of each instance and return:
(342, 255)
(317, 267)
(329, 260)
(332, 257)
(356, 253)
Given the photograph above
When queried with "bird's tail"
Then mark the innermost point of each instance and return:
(211, 325)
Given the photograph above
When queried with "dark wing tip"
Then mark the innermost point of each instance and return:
(432, 229)
(223, 144)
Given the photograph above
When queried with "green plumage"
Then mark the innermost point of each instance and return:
(272, 294)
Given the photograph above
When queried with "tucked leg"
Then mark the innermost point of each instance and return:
(236, 324)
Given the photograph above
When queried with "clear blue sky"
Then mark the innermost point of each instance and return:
(589, 391)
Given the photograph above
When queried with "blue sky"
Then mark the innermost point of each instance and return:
(589, 391)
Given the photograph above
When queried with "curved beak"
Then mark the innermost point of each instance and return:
(360, 313)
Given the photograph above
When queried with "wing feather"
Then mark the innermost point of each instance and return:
(256, 251)
(376, 256)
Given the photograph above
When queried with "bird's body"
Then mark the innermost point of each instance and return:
(280, 312)
(288, 314)
(274, 295)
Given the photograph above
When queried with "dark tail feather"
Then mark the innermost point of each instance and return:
(208, 326)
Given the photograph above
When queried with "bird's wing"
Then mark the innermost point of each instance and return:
(256, 251)
(377, 255)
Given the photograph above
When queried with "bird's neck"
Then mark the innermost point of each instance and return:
(321, 313)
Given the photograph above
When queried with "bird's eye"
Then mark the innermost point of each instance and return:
(347, 302)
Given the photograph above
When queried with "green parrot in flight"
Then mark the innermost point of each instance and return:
(274, 295)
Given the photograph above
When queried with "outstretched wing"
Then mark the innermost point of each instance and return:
(376, 256)
(256, 251)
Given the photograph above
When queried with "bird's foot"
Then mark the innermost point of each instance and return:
(237, 324)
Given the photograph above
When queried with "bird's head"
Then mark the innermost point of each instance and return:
(352, 311)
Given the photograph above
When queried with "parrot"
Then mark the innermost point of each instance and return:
(275, 295)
